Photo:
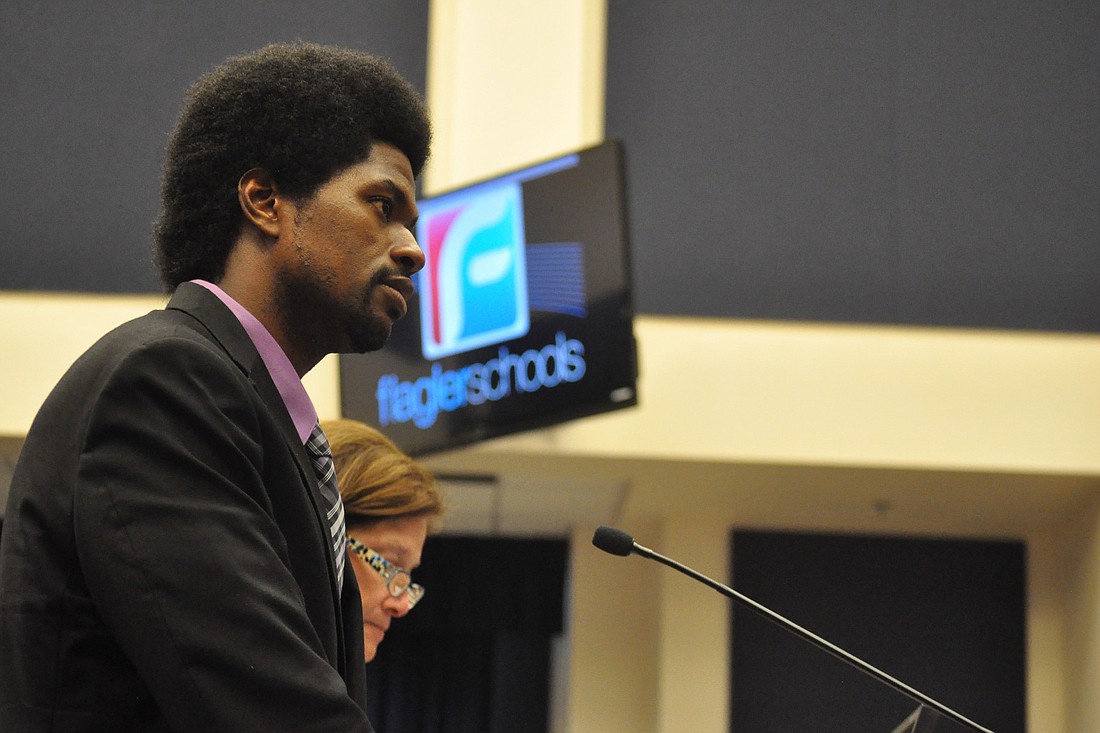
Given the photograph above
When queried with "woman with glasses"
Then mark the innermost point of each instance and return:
(391, 504)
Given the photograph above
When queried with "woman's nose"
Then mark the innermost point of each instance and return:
(397, 607)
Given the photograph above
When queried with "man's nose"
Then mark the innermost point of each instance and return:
(407, 253)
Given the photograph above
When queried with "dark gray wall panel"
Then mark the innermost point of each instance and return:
(930, 163)
(90, 92)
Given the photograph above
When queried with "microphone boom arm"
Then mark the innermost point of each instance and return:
(803, 633)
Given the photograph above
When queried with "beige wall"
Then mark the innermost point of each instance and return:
(810, 426)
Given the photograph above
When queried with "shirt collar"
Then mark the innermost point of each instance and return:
(286, 379)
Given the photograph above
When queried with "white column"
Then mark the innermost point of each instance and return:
(693, 670)
(512, 83)
(614, 642)
(1082, 613)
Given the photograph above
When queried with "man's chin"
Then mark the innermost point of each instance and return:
(369, 339)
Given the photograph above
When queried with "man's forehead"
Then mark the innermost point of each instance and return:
(388, 156)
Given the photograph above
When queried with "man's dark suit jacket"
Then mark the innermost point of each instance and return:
(164, 564)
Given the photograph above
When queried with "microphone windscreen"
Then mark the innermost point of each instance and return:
(614, 541)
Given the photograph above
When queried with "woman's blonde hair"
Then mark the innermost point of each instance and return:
(377, 480)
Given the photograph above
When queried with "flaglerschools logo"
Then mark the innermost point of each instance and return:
(473, 287)
(506, 374)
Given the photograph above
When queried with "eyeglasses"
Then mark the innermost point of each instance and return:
(397, 579)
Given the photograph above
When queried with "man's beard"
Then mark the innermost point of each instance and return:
(311, 315)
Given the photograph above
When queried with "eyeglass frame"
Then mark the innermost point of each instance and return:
(390, 572)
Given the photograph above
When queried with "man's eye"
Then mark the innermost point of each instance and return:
(385, 206)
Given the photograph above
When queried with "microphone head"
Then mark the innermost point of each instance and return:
(614, 541)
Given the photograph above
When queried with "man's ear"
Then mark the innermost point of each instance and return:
(259, 200)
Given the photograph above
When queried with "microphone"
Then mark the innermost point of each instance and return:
(617, 542)
(613, 541)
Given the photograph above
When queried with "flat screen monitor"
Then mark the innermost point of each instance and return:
(523, 313)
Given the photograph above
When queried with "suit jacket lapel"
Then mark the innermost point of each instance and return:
(227, 331)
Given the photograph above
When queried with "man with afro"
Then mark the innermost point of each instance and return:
(172, 555)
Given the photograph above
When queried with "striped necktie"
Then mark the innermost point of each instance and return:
(323, 469)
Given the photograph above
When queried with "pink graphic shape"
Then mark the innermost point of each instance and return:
(438, 228)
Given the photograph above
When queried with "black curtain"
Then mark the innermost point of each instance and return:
(475, 654)
(945, 616)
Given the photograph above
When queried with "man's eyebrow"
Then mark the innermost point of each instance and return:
(397, 191)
